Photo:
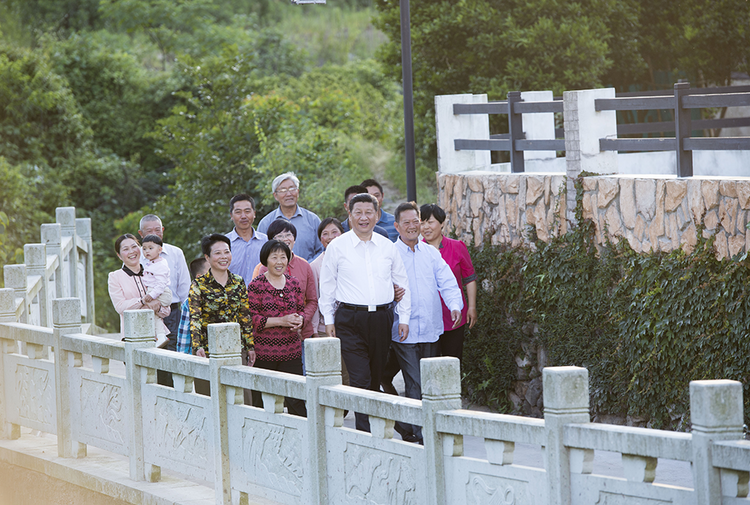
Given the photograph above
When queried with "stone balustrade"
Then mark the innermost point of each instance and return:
(262, 454)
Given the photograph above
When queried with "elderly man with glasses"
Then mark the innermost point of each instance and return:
(286, 191)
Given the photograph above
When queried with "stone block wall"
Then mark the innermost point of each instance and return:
(659, 213)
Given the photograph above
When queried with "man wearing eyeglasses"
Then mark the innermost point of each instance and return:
(286, 191)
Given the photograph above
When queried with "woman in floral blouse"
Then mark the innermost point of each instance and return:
(277, 308)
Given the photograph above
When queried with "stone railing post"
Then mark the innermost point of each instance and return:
(224, 350)
(66, 320)
(441, 390)
(66, 217)
(83, 230)
(538, 126)
(449, 126)
(716, 412)
(15, 278)
(138, 332)
(35, 258)
(566, 401)
(584, 126)
(52, 239)
(7, 315)
(323, 356)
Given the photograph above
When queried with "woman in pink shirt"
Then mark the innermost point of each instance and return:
(455, 253)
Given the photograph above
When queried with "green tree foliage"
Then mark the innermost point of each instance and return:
(61, 17)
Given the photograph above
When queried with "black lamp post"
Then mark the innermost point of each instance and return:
(411, 175)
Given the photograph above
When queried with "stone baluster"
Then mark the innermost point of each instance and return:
(8, 430)
(35, 257)
(66, 217)
(15, 278)
(66, 320)
(639, 468)
(323, 364)
(138, 332)
(450, 126)
(224, 350)
(716, 412)
(83, 230)
(441, 390)
(52, 239)
(566, 401)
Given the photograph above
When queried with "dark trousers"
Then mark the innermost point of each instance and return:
(365, 341)
(172, 322)
(294, 406)
(452, 342)
(409, 356)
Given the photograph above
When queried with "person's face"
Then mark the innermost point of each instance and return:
(152, 228)
(408, 226)
(374, 191)
(220, 257)
(243, 215)
(287, 193)
(130, 253)
(151, 250)
(330, 232)
(286, 237)
(277, 262)
(432, 229)
(363, 217)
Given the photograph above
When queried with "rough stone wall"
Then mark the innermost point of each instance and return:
(659, 214)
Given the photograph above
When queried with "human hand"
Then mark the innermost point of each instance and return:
(331, 330)
(201, 352)
(251, 357)
(403, 332)
(147, 298)
(471, 317)
(398, 293)
(293, 321)
(153, 305)
(456, 318)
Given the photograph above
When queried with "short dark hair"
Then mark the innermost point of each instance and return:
(208, 242)
(280, 226)
(241, 198)
(272, 246)
(363, 197)
(368, 183)
(354, 190)
(122, 238)
(153, 238)
(403, 208)
(329, 220)
(432, 209)
(196, 265)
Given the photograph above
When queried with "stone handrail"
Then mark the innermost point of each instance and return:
(251, 452)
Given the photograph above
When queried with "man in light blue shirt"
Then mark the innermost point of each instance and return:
(385, 220)
(246, 242)
(286, 191)
(430, 277)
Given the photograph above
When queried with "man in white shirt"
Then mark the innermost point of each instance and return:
(359, 271)
(430, 277)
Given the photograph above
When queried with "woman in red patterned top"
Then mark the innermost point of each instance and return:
(276, 304)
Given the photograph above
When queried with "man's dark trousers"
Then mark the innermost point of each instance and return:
(365, 340)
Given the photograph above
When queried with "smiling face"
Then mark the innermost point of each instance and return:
(374, 191)
(432, 229)
(408, 226)
(277, 262)
(330, 232)
(286, 237)
(363, 217)
(286, 194)
(130, 253)
(243, 216)
(152, 228)
(220, 257)
(151, 250)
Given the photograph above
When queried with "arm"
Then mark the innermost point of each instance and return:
(159, 272)
(309, 297)
(328, 281)
(184, 345)
(196, 327)
(245, 320)
(399, 277)
(471, 295)
(469, 278)
(181, 276)
(448, 287)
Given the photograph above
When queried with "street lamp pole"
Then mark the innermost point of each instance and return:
(411, 175)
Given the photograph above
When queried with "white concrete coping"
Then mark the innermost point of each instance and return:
(29, 333)
(34, 255)
(170, 361)
(15, 276)
(324, 354)
(138, 325)
(373, 403)
(716, 405)
(66, 216)
(51, 234)
(734, 454)
(266, 381)
(504, 427)
(224, 340)
(101, 347)
(566, 389)
(630, 440)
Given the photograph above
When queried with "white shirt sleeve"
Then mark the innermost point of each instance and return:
(447, 285)
(328, 281)
(398, 274)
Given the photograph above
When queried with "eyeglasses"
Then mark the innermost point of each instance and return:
(284, 191)
(283, 236)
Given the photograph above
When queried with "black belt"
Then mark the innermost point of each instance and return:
(366, 308)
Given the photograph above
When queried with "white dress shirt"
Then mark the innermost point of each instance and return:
(362, 273)
(430, 277)
(179, 275)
